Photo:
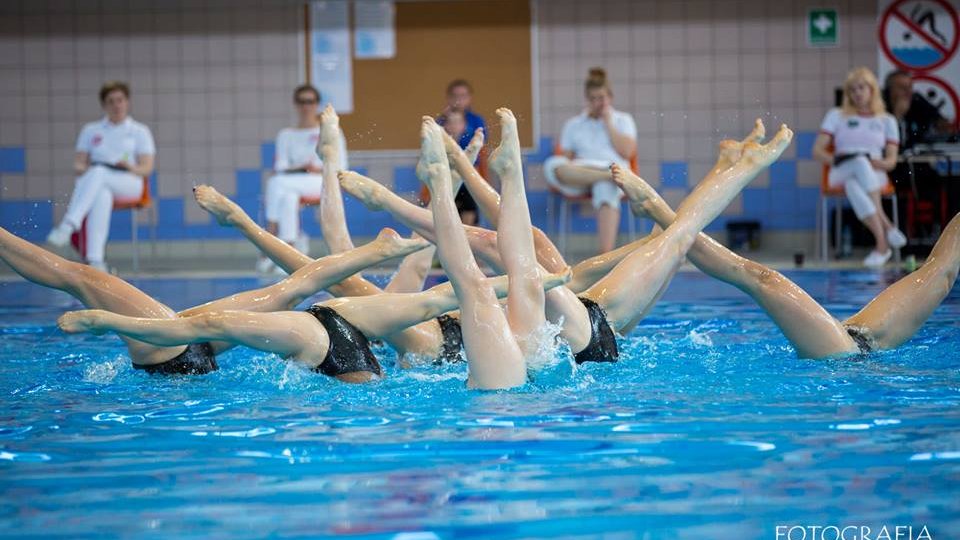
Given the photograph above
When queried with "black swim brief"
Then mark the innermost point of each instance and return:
(349, 350)
(603, 342)
(198, 359)
(452, 340)
(863, 342)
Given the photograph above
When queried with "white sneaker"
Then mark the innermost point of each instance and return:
(60, 235)
(876, 259)
(265, 266)
(99, 265)
(277, 271)
(896, 238)
(302, 243)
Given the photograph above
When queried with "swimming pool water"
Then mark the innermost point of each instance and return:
(709, 427)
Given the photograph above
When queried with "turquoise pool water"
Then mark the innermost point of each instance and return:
(709, 427)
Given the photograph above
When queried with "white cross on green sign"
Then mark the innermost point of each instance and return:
(823, 27)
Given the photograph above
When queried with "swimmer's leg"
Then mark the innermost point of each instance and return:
(382, 315)
(376, 196)
(413, 270)
(493, 356)
(898, 312)
(333, 221)
(229, 214)
(95, 289)
(589, 271)
(488, 200)
(813, 332)
(632, 285)
(294, 334)
(314, 277)
(515, 239)
(422, 339)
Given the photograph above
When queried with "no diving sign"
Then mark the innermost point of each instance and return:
(919, 35)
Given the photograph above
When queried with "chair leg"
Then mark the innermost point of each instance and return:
(564, 219)
(837, 227)
(824, 232)
(896, 223)
(135, 244)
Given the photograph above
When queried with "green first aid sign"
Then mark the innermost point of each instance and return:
(823, 27)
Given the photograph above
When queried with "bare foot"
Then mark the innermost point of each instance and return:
(760, 156)
(329, 125)
(758, 133)
(476, 144)
(329, 135)
(225, 211)
(730, 151)
(432, 168)
(642, 197)
(85, 320)
(366, 190)
(451, 146)
(505, 159)
(390, 243)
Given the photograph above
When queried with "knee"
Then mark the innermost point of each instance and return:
(761, 276)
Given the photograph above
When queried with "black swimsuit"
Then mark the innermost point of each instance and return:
(452, 340)
(198, 359)
(349, 350)
(863, 342)
(603, 343)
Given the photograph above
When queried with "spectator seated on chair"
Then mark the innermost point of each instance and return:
(113, 155)
(299, 173)
(460, 122)
(865, 141)
(591, 142)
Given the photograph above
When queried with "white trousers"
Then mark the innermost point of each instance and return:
(92, 199)
(283, 201)
(859, 179)
(601, 193)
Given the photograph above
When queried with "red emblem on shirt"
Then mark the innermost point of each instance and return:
(97, 139)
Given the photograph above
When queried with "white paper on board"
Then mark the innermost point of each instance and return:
(375, 34)
(331, 67)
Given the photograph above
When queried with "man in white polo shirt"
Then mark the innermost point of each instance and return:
(112, 157)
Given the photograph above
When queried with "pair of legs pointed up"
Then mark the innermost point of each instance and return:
(629, 281)
(889, 320)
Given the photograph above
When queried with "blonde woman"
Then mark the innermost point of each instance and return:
(865, 140)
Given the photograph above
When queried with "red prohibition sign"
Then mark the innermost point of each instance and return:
(951, 93)
(945, 52)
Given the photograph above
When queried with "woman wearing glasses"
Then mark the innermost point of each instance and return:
(299, 172)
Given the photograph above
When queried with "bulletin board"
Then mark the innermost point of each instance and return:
(486, 42)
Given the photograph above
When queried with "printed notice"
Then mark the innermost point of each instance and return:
(375, 35)
(331, 68)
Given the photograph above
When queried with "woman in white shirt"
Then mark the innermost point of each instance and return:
(299, 170)
(592, 141)
(112, 157)
(865, 142)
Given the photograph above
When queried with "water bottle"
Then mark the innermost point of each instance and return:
(846, 242)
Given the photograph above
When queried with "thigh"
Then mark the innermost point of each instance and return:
(840, 174)
(123, 185)
(306, 185)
